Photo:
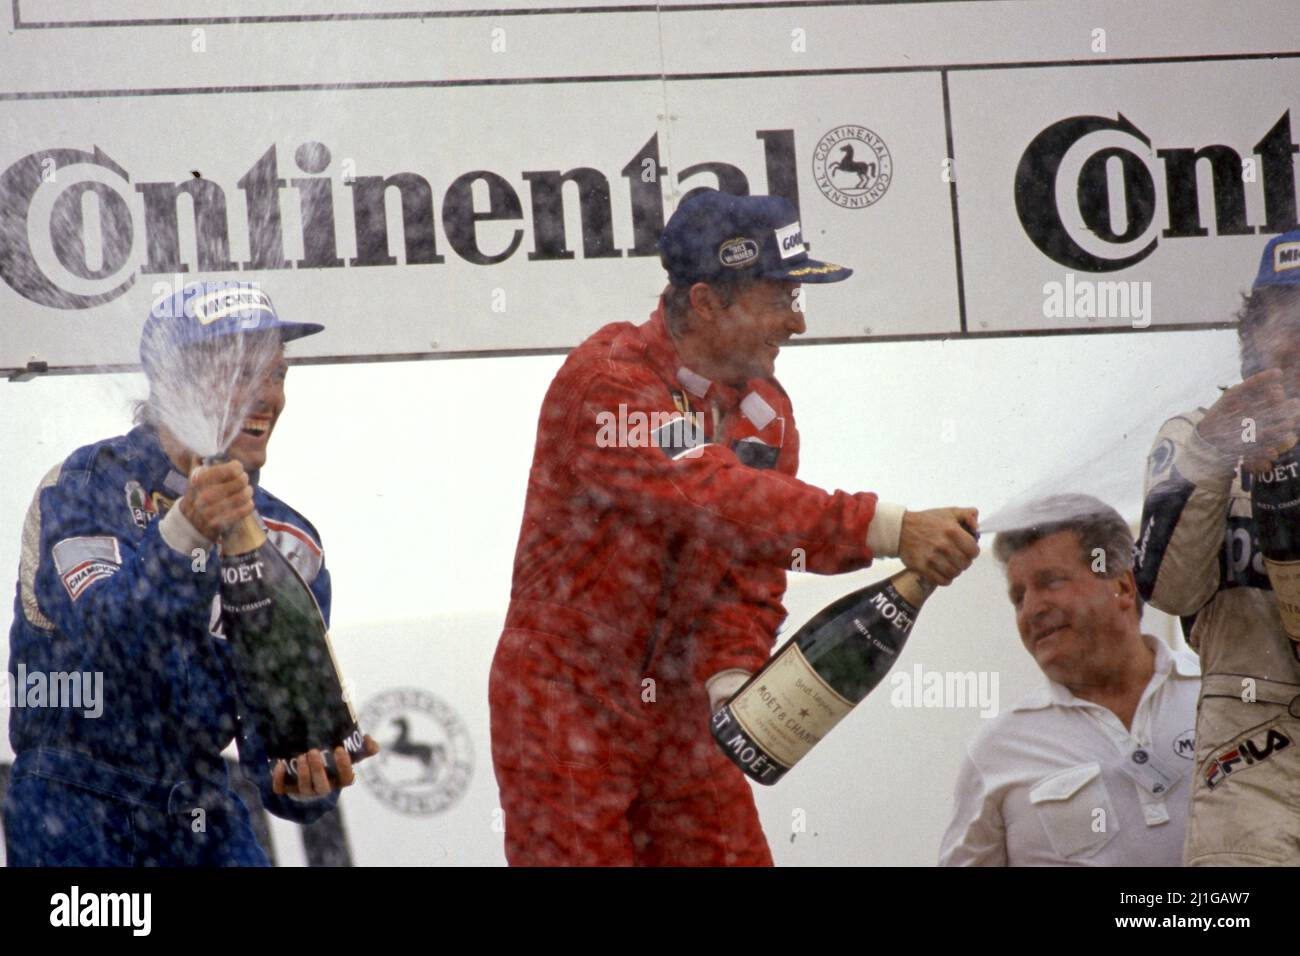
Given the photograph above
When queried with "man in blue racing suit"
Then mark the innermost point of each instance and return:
(123, 692)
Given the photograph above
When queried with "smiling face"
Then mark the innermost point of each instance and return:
(1078, 625)
(740, 341)
(266, 397)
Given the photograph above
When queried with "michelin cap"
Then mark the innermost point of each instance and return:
(1280, 264)
(202, 311)
(719, 238)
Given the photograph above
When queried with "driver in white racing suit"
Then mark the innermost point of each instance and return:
(1198, 556)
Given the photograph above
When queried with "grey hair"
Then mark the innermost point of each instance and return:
(1096, 525)
(1254, 312)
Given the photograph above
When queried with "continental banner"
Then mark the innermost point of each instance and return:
(459, 180)
(420, 229)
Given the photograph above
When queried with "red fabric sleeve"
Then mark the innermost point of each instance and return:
(739, 628)
(760, 516)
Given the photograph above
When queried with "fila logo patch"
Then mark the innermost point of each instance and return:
(80, 562)
(1246, 753)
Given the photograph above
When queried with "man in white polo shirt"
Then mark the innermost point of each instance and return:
(1095, 768)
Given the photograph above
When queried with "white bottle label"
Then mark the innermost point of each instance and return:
(1285, 578)
(789, 708)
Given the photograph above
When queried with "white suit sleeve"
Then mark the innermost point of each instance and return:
(977, 835)
(1181, 538)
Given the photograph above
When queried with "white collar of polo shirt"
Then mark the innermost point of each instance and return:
(1166, 664)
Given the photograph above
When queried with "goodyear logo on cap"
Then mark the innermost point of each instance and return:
(244, 302)
(1286, 255)
(738, 253)
(789, 240)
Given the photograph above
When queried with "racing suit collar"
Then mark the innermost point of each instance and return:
(163, 475)
(663, 353)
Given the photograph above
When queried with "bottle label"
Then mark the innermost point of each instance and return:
(1285, 576)
(788, 708)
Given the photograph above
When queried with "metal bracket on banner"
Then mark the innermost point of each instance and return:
(30, 372)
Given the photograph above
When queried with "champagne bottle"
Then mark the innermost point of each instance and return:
(1275, 503)
(284, 664)
(818, 676)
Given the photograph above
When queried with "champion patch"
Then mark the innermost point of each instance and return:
(80, 562)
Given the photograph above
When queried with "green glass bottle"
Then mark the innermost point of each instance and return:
(288, 679)
(1275, 506)
(812, 682)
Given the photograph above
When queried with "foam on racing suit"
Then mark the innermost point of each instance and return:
(648, 561)
(100, 592)
(1198, 557)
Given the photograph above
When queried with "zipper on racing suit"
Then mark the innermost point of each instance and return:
(682, 400)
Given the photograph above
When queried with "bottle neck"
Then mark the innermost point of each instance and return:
(911, 587)
(245, 537)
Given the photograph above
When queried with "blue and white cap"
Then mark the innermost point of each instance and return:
(202, 311)
(719, 238)
(1280, 264)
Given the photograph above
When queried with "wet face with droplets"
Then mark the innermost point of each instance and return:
(743, 339)
(1276, 341)
(1075, 622)
(265, 395)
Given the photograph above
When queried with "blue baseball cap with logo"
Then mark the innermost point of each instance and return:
(202, 311)
(718, 238)
(1280, 264)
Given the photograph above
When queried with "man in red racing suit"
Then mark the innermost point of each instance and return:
(661, 514)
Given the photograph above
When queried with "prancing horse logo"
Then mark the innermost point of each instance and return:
(427, 757)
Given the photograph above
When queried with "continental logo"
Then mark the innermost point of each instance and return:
(738, 253)
(852, 167)
(1064, 205)
(427, 760)
(85, 261)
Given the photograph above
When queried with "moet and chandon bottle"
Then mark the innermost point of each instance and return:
(289, 681)
(822, 672)
(1275, 505)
